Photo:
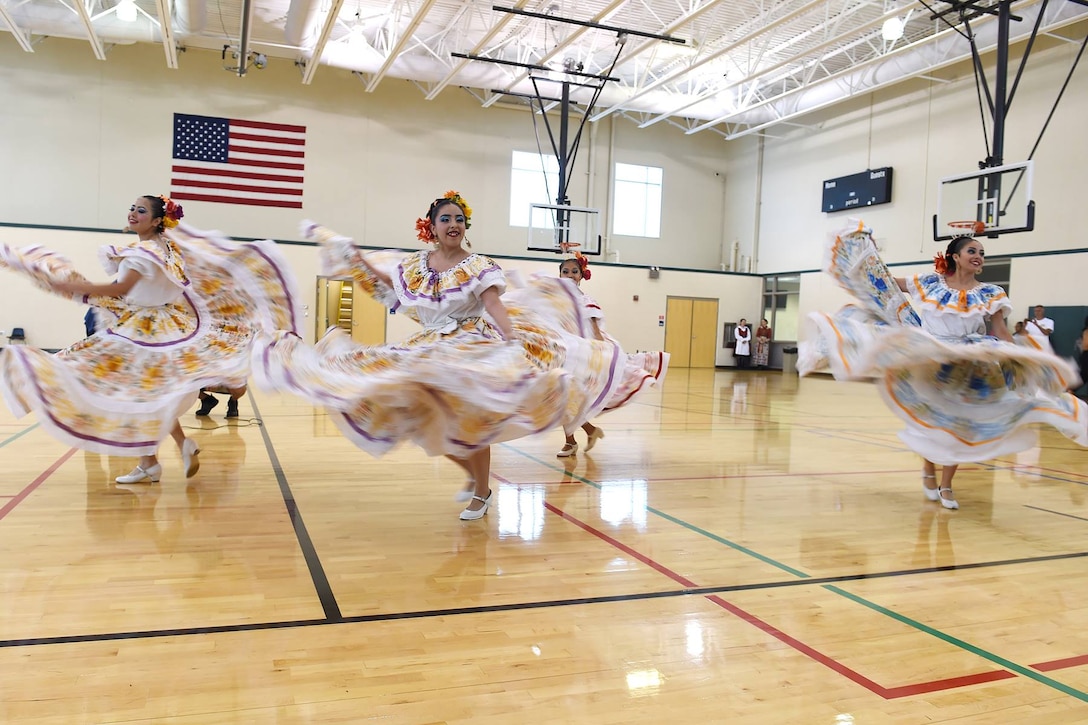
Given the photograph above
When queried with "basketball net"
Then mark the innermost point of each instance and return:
(967, 228)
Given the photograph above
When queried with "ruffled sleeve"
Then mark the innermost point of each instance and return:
(41, 266)
(146, 258)
(593, 310)
(994, 299)
(340, 258)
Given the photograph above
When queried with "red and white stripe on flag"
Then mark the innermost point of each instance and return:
(233, 161)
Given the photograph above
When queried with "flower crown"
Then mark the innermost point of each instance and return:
(171, 212)
(423, 224)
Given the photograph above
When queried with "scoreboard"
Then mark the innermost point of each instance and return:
(856, 190)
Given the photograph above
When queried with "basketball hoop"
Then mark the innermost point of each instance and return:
(565, 247)
(967, 228)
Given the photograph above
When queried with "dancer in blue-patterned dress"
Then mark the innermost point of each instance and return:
(965, 396)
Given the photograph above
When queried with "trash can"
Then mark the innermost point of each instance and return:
(789, 361)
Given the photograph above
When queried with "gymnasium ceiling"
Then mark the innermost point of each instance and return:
(731, 67)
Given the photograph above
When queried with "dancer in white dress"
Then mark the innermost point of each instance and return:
(640, 371)
(964, 395)
(180, 314)
(481, 371)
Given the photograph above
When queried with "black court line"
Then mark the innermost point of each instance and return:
(1056, 513)
(313, 561)
(520, 606)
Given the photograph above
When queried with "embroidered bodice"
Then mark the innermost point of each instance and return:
(441, 300)
(161, 269)
(953, 314)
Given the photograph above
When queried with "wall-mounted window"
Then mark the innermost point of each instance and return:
(781, 302)
(534, 179)
(636, 210)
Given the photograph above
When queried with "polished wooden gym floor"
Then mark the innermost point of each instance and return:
(742, 547)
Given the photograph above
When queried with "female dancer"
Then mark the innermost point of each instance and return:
(180, 314)
(964, 396)
(640, 369)
(480, 372)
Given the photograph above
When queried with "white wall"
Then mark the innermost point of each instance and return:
(79, 139)
(52, 322)
(925, 130)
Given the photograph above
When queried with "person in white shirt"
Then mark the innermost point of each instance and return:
(1040, 328)
(743, 350)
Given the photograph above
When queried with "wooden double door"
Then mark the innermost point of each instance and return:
(343, 303)
(691, 331)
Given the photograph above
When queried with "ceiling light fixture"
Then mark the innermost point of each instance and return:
(892, 30)
(126, 11)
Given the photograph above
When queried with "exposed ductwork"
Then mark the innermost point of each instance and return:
(756, 64)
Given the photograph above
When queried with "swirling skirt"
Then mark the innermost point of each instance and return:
(460, 391)
(120, 390)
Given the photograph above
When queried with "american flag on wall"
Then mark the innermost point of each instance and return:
(232, 161)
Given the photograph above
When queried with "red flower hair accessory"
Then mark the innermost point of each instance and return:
(583, 262)
(423, 224)
(423, 230)
(940, 263)
(171, 212)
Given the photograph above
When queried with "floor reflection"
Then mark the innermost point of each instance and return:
(624, 500)
(933, 546)
(520, 511)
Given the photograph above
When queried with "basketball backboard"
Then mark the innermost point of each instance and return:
(999, 197)
(563, 229)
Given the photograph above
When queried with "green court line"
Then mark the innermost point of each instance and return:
(669, 517)
(996, 659)
(19, 435)
(949, 639)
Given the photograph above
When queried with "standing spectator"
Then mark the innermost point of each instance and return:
(763, 344)
(1040, 328)
(743, 349)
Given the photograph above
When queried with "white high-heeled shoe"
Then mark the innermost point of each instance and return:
(189, 461)
(592, 438)
(568, 450)
(151, 474)
(932, 494)
(472, 515)
(948, 503)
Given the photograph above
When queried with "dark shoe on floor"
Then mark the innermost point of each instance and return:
(232, 408)
(206, 405)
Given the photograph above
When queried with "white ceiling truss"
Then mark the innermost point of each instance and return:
(733, 67)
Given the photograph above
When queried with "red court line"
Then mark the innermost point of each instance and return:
(888, 693)
(1061, 664)
(18, 498)
(622, 547)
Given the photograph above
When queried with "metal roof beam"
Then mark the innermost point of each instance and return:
(84, 13)
(322, 41)
(166, 28)
(568, 41)
(23, 40)
(476, 50)
(398, 47)
(803, 57)
(744, 40)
